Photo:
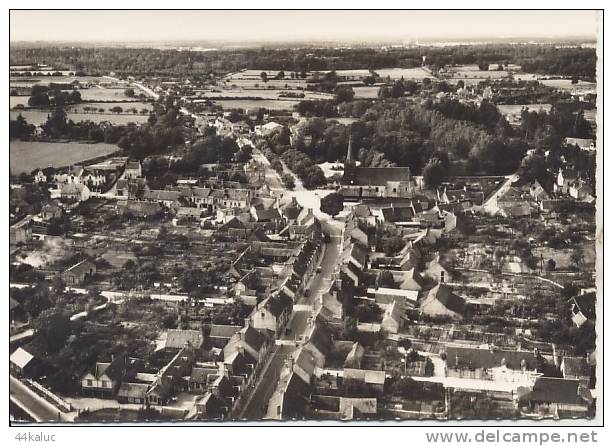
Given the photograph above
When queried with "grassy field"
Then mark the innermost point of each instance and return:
(366, 92)
(38, 117)
(254, 104)
(108, 105)
(104, 94)
(18, 100)
(566, 84)
(408, 73)
(46, 80)
(26, 156)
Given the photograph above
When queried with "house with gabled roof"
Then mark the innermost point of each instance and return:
(319, 343)
(354, 357)
(374, 380)
(249, 341)
(219, 335)
(273, 312)
(441, 301)
(79, 273)
(212, 407)
(583, 308)
(411, 280)
(177, 339)
(438, 270)
(558, 397)
(24, 363)
(393, 317)
(198, 379)
(104, 379)
(577, 367)
(492, 363)
(132, 393)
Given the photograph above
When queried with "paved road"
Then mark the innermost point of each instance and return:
(37, 407)
(298, 325)
(257, 405)
(491, 204)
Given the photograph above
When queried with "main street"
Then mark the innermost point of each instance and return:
(299, 323)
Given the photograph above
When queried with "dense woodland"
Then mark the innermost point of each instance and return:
(542, 59)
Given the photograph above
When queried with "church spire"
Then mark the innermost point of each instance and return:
(349, 161)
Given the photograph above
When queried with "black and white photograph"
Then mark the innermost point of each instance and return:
(336, 216)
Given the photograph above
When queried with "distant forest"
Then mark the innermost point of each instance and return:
(541, 59)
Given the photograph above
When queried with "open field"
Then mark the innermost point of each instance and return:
(78, 108)
(366, 92)
(28, 81)
(255, 104)
(566, 84)
(104, 94)
(26, 156)
(408, 73)
(38, 117)
(262, 93)
(18, 100)
(276, 83)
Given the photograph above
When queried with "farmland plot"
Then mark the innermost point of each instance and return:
(26, 156)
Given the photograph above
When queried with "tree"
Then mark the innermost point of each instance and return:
(52, 328)
(288, 181)
(386, 279)
(332, 204)
(129, 92)
(577, 256)
(550, 265)
(350, 329)
(264, 76)
(392, 245)
(344, 93)
(434, 172)
(368, 312)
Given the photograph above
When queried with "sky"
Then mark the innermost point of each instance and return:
(287, 26)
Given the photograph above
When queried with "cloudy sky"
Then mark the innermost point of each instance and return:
(122, 26)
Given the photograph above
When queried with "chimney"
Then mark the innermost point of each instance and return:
(247, 322)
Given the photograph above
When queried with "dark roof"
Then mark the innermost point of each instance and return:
(13, 303)
(176, 339)
(451, 207)
(267, 214)
(201, 374)
(233, 223)
(451, 301)
(576, 366)
(253, 338)
(378, 176)
(133, 390)
(359, 254)
(223, 331)
(556, 390)
(114, 370)
(586, 303)
(321, 339)
(393, 214)
(362, 210)
(278, 303)
(482, 358)
(82, 267)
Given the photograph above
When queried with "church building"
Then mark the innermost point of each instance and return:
(372, 182)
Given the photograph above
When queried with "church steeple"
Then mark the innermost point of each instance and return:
(349, 161)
